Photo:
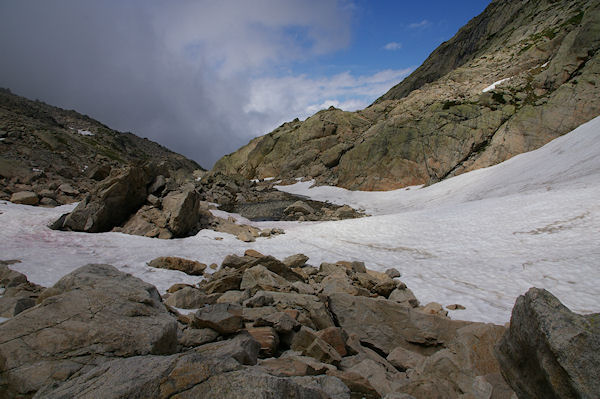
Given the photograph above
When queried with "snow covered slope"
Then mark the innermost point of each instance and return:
(479, 239)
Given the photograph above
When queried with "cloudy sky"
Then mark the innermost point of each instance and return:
(204, 77)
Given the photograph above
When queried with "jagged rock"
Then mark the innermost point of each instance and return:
(25, 198)
(297, 260)
(16, 292)
(192, 337)
(308, 343)
(157, 185)
(404, 296)
(187, 266)
(293, 366)
(341, 283)
(384, 288)
(386, 325)
(254, 383)
(158, 376)
(191, 298)
(234, 296)
(183, 212)
(267, 338)
(100, 313)
(357, 383)
(260, 278)
(281, 321)
(111, 203)
(404, 359)
(253, 254)
(225, 318)
(380, 378)
(549, 351)
(334, 336)
(314, 311)
(235, 262)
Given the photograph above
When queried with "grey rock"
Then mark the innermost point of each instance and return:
(549, 351)
(404, 296)
(97, 313)
(393, 273)
(260, 278)
(192, 337)
(386, 325)
(226, 318)
(191, 298)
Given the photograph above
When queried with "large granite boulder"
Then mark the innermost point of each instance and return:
(89, 316)
(549, 351)
(110, 204)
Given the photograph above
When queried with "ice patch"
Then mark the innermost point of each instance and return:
(493, 85)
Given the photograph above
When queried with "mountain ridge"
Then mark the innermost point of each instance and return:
(429, 128)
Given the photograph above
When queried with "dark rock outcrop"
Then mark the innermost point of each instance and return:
(549, 351)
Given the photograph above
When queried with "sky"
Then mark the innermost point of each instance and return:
(205, 77)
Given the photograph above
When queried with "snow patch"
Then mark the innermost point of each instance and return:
(493, 85)
(480, 239)
(85, 132)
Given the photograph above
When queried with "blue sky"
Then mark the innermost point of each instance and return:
(203, 77)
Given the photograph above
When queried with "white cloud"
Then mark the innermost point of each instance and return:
(392, 46)
(301, 96)
(416, 25)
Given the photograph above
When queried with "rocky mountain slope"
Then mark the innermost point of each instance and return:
(59, 154)
(515, 77)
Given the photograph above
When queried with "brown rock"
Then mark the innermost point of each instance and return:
(297, 260)
(253, 254)
(24, 198)
(308, 343)
(404, 359)
(267, 338)
(334, 336)
(455, 306)
(187, 266)
(191, 298)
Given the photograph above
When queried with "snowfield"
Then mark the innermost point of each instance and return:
(480, 239)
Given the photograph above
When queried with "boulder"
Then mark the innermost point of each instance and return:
(68, 189)
(157, 376)
(225, 318)
(403, 359)
(334, 336)
(234, 296)
(110, 204)
(96, 313)
(187, 266)
(549, 351)
(24, 198)
(386, 325)
(182, 210)
(192, 337)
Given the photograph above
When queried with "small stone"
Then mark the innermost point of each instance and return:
(455, 306)
(434, 308)
(214, 266)
(245, 236)
(393, 273)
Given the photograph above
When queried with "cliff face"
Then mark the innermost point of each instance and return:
(440, 122)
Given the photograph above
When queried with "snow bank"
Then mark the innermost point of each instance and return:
(479, 239)
(493, 85)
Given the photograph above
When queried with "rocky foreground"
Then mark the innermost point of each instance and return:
(267, 328)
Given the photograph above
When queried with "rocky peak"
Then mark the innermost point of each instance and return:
(515, 77)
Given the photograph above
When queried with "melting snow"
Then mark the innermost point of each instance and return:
(493, 85)
(479, 239)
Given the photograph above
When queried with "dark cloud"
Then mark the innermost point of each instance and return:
(179, 73)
